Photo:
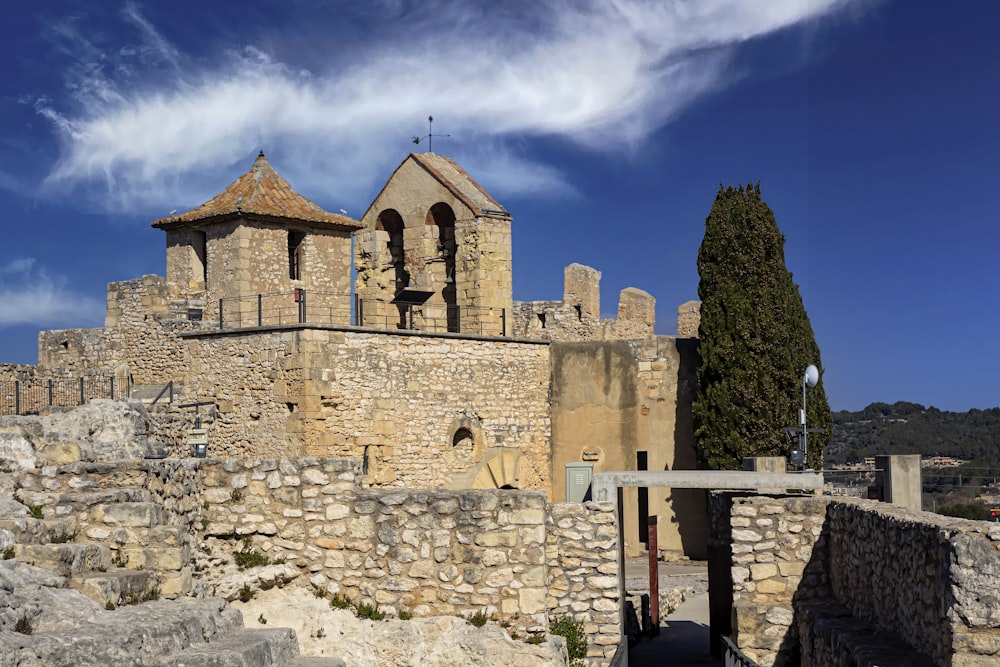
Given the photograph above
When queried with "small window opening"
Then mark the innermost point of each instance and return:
(295, 244)
(642, 463)
(579, 312)
(541, 318)
(199, 245)
(290, 406)
(463, 439)
(364, 461)
(65, 345)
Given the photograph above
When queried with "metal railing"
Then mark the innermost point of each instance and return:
(733, 656)
(31, 395)
(339, 309)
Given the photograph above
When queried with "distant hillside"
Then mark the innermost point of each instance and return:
(910, 428)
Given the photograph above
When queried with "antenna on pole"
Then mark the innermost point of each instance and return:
(430, 135)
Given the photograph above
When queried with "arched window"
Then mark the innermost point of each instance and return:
(391, 221)
(443, 216)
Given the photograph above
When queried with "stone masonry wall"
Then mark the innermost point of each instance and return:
(139, 337)
(828, 582)
(773, 545)
(397, 398)
(582, 553)
(506, 553)
(930, 579)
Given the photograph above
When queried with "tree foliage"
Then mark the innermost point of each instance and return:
(755, 339)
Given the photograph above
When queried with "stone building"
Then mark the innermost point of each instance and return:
(427, 372)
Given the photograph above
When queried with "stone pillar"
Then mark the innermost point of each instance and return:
(639, 307)
(764, 464)
(688, 319)
(582, 287)
(897, 480)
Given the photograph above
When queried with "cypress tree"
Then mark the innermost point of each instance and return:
(755, 339)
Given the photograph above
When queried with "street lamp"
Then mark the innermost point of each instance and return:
(809, 379)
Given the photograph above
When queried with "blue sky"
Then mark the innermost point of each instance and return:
(605, 127)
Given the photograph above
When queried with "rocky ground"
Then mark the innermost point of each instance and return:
(424, 642)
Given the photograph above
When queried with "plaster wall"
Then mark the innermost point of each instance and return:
(612, 400)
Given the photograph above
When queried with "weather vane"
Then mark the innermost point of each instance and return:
(430, 135)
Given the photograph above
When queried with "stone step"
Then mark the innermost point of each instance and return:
(141, 635)
(55, 504)
(117, 586)
(69, 559)
(157, 536)
(128, 514)
(27, 530)
(155, 557)
(273, 647)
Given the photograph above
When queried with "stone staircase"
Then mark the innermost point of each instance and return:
(110, 544)
(43, 624)
(80, 581)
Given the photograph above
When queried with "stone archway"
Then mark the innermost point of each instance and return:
(498, 469)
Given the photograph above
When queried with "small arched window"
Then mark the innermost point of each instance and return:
(391, 221)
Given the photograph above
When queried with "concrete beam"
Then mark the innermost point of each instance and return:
(604, 485)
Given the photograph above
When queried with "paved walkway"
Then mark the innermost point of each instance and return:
(683, 638)
(682, 642)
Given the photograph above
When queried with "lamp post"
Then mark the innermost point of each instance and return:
(809, 379)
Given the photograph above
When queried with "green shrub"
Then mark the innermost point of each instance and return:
(404, 615)
(261, 619)
(8, 553)
(478, 619)
(249, 557)
(36, 512)
(340, 602)
(535, 638)
(572, 632)
(245, 593)
(369, 611)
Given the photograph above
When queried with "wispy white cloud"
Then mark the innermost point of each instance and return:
(29, 294)
(603, 74)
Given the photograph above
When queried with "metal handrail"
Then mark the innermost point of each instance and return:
(168, 387)
(302, 306)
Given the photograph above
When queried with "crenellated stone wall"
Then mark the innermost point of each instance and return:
(843, 582)
(578, 316)
(139, 340)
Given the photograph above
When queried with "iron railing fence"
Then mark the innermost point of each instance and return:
(333, 308)
(32, 395)
(733, 656)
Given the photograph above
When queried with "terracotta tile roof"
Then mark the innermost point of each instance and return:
(460, 184)
(261, 192)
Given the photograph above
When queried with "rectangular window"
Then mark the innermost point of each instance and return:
(199, 246)
(295, 240)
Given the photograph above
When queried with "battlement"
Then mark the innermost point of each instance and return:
(578, 316)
